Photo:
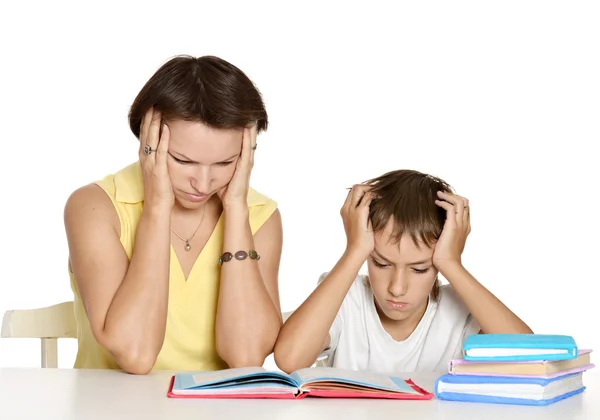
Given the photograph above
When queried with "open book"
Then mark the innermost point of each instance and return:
(315, 382)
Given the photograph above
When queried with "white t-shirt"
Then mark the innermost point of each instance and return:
(359, 341)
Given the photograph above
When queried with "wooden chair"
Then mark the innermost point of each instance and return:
(48, 324)
(51, 323)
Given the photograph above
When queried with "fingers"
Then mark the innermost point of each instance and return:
(367, 198)
(163, 145)
(358, 193)
(252, 144)
(347, 202)
(246, 145)
(352, 199)
(457, 207)
(144, 128)
(153, 135)
(446, 206)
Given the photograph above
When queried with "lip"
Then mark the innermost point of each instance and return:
(397, 306)
(196, 197)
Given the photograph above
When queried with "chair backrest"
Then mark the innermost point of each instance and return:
(47, 324)
(51, 323)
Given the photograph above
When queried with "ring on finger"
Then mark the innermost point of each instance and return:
(254, 147)
(148, 150)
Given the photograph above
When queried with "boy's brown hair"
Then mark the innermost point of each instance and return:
(408, 198)
(206, 89)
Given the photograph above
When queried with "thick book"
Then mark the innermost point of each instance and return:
(519, 347)
(538, 368)
(505, 390)
(310, 382)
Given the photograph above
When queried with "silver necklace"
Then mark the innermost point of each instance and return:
(187, 246)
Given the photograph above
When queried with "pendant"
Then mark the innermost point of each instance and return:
(187, 246)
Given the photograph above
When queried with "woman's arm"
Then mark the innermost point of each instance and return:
(125, 302)
(490, 313)
(248, 313)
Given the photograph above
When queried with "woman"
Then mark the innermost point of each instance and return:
(174, 259)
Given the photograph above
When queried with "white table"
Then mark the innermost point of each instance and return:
(68, 394)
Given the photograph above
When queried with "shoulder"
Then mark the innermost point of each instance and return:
(263, 210)
(99, 200)
(258, 199)
(89, 204)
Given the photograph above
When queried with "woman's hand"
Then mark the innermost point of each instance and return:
(450, 245)
(153, 158)
(235, 193)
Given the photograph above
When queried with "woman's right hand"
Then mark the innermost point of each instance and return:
(157, 183)
(355, 214)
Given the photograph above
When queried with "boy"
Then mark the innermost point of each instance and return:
(409, 227)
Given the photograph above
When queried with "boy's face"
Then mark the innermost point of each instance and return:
(401, 275)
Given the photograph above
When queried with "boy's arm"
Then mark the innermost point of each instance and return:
(306, 332)
(490, 313)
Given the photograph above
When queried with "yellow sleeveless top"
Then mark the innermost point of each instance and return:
(190, 331)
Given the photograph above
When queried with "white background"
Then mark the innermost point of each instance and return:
(501, 99)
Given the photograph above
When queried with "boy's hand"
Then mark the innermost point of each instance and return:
(450, 245)
(355, 215)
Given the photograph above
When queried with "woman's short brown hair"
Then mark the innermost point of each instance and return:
(206, 89)
(408, 198)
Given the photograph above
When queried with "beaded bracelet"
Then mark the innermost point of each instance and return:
(240, 255)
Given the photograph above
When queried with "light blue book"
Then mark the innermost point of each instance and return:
(519, 347)
(508, 390)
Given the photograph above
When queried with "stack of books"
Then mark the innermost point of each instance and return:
(526, 369)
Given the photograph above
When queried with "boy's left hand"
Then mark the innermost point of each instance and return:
(450, 245)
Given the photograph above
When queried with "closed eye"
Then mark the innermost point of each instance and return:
(421, 270)
(378, 264)
(225, 163)
(182, 162)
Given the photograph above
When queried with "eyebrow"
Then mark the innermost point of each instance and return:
(381, 256)
(419, 262)
(412, 263)
(184, 157)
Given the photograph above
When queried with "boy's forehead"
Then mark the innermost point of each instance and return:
(404, 249)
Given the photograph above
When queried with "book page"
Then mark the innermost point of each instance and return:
(327, 376)
(226, 375)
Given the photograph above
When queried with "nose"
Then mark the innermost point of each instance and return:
(399, 284)
(202, 179)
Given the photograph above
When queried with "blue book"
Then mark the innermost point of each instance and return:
(508, 390)
(519, 347)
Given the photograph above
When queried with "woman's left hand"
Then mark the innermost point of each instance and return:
(235, 193)
(450, 245)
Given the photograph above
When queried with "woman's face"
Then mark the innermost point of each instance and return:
(201, 160)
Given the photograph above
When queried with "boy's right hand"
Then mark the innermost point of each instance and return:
(355, 215)
(157, 183)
